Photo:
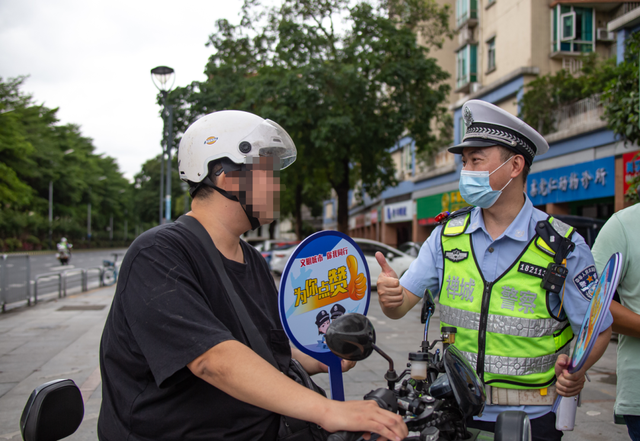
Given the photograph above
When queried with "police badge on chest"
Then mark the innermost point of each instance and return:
(456, 255)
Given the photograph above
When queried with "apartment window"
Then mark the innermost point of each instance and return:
(491, 54)
(572, 29)
(466, 10)
(466, 71)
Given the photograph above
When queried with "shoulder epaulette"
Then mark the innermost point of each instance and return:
(443, 217)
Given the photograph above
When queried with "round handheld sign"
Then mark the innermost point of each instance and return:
(598, 308)
(565, 407)
(326, 277)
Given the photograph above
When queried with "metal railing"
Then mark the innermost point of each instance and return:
(14, 290)
(43, 276)
(86, 277)
(66, 274)
(586, 111)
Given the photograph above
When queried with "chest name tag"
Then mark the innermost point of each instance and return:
(532, 270)
(456, 255)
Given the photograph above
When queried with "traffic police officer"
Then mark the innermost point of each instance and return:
(514, 281)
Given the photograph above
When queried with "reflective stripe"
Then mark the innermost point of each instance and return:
(500, 324)
(560, 227)
(516, 366)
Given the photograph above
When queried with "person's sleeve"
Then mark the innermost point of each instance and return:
(579, 285)
(610, 240)
(167, 311)
(426, 271)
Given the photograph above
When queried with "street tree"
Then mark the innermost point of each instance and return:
(347, 80)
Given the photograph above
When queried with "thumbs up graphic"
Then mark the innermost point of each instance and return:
(357, 287)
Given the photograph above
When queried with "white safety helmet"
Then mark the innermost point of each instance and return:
(233, 134)
(64, 239)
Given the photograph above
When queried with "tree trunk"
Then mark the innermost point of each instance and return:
(298, 211)
(342, 189)
(272, 230)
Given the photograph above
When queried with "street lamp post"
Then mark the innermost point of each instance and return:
(163, 77)
(67, 152)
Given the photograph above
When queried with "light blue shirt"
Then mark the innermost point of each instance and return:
(494, 257)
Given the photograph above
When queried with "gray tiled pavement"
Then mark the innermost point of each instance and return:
(42, 343)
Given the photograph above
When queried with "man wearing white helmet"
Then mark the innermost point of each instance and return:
(514, 281)
(174, 358)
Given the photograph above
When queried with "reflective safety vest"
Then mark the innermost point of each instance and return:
(505, 327)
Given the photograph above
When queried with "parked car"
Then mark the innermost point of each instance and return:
(587, 227)
(280, 257)
(397, 260)
(267, 247)
(411, 248)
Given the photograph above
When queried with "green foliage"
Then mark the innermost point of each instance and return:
(36, 150)
(548, 93)
(345, 96)
(621, 94)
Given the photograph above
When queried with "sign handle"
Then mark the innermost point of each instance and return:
(335, 379)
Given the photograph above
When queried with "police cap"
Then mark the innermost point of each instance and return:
(488, 125)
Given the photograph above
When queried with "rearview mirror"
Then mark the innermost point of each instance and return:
(390, 256)
(351, 337)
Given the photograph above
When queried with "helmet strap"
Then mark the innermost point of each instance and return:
(254, 221)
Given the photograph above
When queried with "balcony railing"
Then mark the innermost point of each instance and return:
(626, 7)
(579, 117)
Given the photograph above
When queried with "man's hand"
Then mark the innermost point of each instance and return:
(346, 366)
(568, 385)
(355, 416)
(390, 293)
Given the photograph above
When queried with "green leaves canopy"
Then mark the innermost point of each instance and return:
(347, 82)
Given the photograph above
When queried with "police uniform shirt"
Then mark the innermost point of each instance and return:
(494, 257)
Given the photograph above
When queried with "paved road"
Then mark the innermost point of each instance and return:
(16, 272)
(60, 339)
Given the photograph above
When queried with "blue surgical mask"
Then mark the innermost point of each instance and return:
(476, 189)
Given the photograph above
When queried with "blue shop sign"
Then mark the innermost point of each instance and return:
(589, 180)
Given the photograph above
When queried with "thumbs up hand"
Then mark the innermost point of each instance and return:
(390, 293)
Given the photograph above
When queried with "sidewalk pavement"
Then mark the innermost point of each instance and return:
(60, 339)
(54, 339)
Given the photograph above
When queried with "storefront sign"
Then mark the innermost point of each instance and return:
(429, 207)
(399, 212)
(631, 168)
(360, 220)
(588, 180)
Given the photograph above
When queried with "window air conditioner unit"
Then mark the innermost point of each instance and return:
(400, 175)
(475, 87)
(604, 35)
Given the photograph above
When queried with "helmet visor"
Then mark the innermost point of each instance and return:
(271, 140)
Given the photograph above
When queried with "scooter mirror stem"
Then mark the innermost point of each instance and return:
(391, 376)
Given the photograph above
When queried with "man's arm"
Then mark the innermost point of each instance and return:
(625, 321)
(569, 385)
(235, 369)
(395, 300)
(313, 366)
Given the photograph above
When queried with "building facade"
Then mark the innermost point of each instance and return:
(499, 47)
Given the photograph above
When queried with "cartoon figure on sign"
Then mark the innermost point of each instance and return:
(337, 310)
(322, 322)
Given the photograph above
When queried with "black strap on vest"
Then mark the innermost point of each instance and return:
(561, 245)
(256, 342)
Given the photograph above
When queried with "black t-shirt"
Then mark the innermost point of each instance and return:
(169, 308)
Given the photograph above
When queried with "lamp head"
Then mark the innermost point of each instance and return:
(163, 77)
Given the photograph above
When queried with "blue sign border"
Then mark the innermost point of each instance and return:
(303, 250)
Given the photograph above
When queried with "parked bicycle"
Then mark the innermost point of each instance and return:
(110, 272)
